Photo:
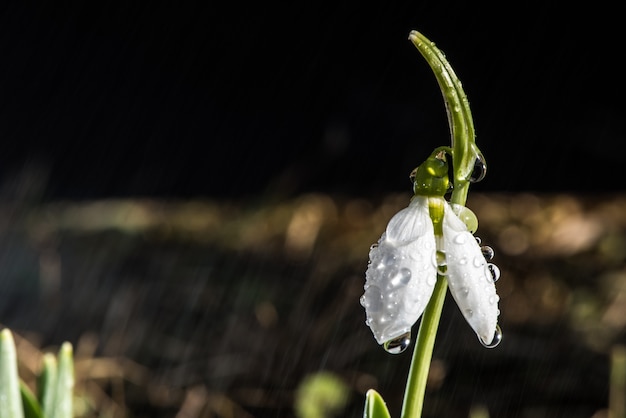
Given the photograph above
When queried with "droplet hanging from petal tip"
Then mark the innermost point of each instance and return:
(497, 338)
(399, 344)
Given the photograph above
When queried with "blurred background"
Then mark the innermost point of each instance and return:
(188, 194)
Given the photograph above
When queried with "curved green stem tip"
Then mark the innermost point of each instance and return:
(466, 155)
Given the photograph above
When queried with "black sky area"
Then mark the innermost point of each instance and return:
(198, 100)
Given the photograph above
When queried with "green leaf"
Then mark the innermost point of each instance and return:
(32, 409)
(63, 404)
(375, 406)
(10, 399)
(47, 383)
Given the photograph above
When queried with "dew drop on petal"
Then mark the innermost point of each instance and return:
(469, 313)
(480, 170)
(478, 240)
(493, 299)
(463, 261)
(464, 291)
(398, 344)
(391, 273)
(497, 338)
(405, 276)
(479, 261)
(373, 299)
(488, 252)
(459, 239)
(494, 271)
(389, 260)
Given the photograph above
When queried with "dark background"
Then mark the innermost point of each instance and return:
(240, 100)
(266, 103)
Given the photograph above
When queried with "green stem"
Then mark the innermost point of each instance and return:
(465, 152)
(422, 355)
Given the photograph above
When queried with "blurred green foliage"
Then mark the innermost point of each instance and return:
(321, 395)
(56, 384)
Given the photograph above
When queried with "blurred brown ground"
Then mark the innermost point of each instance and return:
(221, 308)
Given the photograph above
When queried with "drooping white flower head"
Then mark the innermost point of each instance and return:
(422, 241)
(401, 274)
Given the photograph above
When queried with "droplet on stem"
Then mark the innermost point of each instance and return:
(398, 344)
(459, 239)
(439, 261)
(480, 169)
(497, 338)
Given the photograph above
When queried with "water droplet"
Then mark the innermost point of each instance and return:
(459, 239)
(362, 300)
(478, 240)
(497, 338)
(488, 252)
(463, 261)
(493, 299)
(464, 291)
(478, 261)
(388, 260)
(398, 344)
(373, 299)
(480, 170)
(494, 271)
(405, 276)
(391, 273)
(469, 313)
(439, 261)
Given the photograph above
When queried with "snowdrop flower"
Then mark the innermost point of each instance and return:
(429, 238)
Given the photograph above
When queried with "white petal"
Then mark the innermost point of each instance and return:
(469, 278)
(401, 274)
(411, 223)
